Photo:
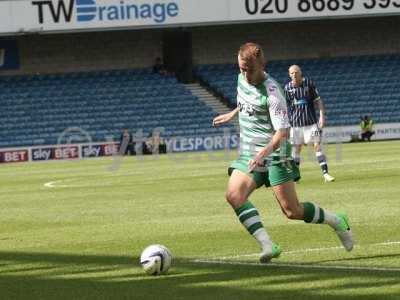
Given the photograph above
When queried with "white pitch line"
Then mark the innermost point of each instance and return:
(56, 184)
(299, 266)
(285, 252)
(51, 184)
(387, 243)
(225, 258)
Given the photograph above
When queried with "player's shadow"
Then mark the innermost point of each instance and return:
(25, 275)
(360, 258)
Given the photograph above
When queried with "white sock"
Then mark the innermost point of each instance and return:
(331, 219)
(263, 238)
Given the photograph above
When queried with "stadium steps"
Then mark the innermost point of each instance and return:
(210, 100)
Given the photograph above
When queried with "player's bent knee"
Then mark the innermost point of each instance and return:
(234, 198)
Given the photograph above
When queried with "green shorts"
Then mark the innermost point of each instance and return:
(276, 173)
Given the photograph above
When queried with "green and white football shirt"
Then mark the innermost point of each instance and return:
(262, 111)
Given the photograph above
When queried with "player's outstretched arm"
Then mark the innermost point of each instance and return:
(225, 118)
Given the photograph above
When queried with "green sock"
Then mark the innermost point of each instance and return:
(249, 217)
(315, 214)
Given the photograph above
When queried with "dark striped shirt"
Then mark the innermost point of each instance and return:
(300, 102)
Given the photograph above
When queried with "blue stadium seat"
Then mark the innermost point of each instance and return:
(38, 108)
(338, 80)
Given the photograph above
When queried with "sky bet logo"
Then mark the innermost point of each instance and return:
(57, 11)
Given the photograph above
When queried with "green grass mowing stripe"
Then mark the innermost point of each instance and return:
(82, 241)
(298, 266)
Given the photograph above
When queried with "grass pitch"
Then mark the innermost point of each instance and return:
(75, 229)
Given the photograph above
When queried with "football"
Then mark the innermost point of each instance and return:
(156, 259)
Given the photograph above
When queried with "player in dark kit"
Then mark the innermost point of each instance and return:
(302, 97)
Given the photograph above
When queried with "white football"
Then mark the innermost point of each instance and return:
(156, 259)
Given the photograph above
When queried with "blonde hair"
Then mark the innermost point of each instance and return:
(250, 52)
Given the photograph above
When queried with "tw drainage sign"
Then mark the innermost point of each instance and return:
(66, 11)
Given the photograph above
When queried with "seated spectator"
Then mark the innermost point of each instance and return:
(126, 143)
(159, 67)
(366, 128)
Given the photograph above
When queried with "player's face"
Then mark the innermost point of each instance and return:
(295, 74)
(251, 70)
